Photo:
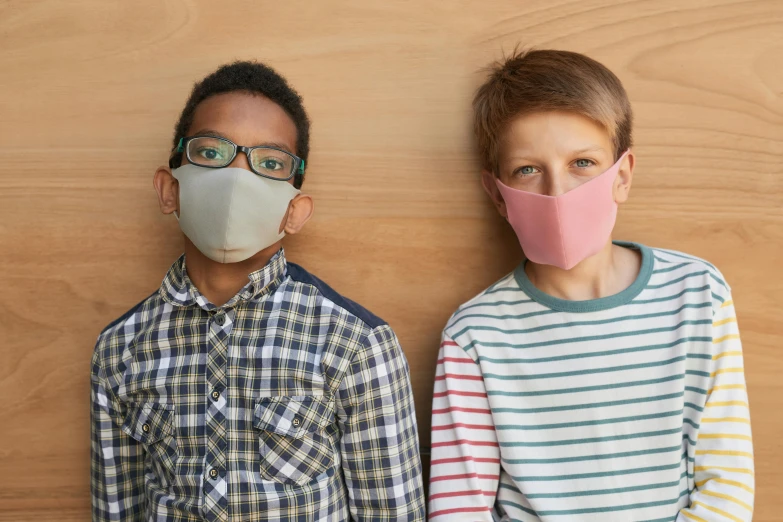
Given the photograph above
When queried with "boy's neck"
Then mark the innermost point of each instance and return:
(606, 273)
(219, 282)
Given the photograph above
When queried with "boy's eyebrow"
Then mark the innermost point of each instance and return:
(216, 134)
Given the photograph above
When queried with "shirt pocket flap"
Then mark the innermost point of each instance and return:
(148, 423)
(294, 416)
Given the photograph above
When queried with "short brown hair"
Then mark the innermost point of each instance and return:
(549, 80)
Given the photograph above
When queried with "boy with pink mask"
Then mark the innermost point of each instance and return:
(601, 380)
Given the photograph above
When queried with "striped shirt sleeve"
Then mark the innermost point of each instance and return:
(723, 468)
(465, 465)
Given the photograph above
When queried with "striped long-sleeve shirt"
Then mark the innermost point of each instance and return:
(629, 408)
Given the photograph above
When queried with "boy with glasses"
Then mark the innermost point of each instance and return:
(245, 388)
(599, 381)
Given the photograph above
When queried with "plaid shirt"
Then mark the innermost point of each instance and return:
(289, 402)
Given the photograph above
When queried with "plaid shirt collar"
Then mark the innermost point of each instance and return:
(177, 289)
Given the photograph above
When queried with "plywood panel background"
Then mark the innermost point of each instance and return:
(89, 92)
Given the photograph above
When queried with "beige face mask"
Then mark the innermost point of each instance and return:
(231, 214)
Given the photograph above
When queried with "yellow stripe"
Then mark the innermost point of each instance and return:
(725, 321)
(729, 498)
(725, 354)
(726, 370)
(725, 338)
(718, 511)
(726, 419)
(726, 403)
(722, 468)
(727, 303)
(726, 387)
(724, 436)
(692, 517)
(727, 482)
(725, 452)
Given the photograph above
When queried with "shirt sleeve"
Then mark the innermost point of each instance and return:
(380, 444)
(465, 464)
(723, 468)
(117, 460)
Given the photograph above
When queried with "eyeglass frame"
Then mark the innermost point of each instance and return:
(299, 163)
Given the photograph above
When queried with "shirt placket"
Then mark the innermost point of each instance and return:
(215, 490)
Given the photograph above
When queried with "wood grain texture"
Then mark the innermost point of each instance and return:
(89, 93)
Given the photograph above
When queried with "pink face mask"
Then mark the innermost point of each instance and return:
(564, 230)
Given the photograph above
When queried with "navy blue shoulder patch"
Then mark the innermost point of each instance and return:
(301, 275)
(127, 314)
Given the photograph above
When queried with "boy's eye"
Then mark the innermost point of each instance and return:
(525, 171)
(584, 163)
(210, 154)
(270, 164)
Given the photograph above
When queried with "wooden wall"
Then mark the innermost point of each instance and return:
(89, 92)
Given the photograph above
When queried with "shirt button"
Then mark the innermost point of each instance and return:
(213, 473)
(145, 428)
(215, 395)
(220, 319)
(296, 421)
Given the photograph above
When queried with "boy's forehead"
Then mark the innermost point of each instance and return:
(247, 119)
(553, 131)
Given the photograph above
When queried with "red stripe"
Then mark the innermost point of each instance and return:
(462, 494)
(462, 425)
(456, 392)
(463, 441)
(448, 343)
(464, 459)
(457, 408)
(456, 360)
(457, 510)
(464, 476)
(459, 377)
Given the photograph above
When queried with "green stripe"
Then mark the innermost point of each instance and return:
(589, 404)
(582, 355)
(700, 356)
(496, 303)
(595, 422)
(504, 317)
(605, 456)
(698, 373)
(717, 297)
(669, 269)
(569, 442)
(579, 323)
(585, 388)
(693, 406)
(689, 421)
(686, 257)
(567, 340)
(593, 492)
(597, 474)
(673, 296)
(679, 279)
(585, 511)
(589, 371)
(696, 390)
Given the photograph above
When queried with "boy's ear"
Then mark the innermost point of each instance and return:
(491, 188)
(299, 212)
(167, 188)
(622, 184)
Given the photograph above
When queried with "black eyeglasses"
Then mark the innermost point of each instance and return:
(215, 153)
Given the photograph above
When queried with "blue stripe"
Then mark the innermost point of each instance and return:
(605, 456)
(585, 511)
(679, 279)
(595, 422)
(569, 442)
(671, 297)
(589, 405)
(585, 388)
(597, 474)
(590, 371)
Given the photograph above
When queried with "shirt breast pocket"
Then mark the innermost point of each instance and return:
(293, 443)
(153, 426)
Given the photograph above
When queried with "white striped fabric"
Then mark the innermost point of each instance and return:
(628, 408)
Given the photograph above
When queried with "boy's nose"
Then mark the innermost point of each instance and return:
(554, 185)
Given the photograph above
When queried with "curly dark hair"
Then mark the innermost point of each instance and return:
(255, 78)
